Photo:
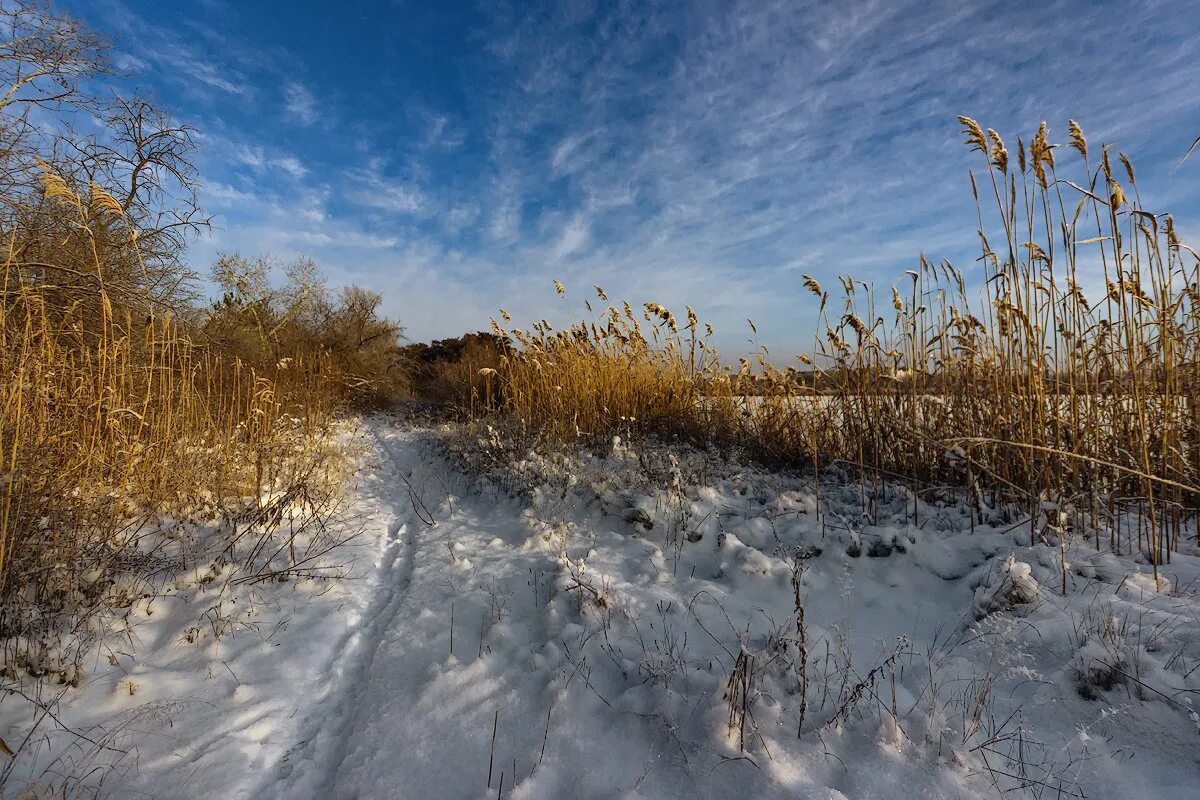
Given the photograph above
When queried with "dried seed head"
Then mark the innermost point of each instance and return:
(1042, 154)
(103, 201)
(53, 186)
(1077, 291)
(1134, 288)
(1128, 169)
(998, 152)
(858, 325)
(973, 133)
(1047, 148)
(1078, 141)
(1039, 170)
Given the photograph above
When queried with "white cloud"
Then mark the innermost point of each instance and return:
(368, 188)
(197, 67)
(570, 156)
(222, 195)
(727, 143)
(257, 158)
(506, 222)
(461, 216)
(574, 236)
(300, 103)
(707, 153)
(251, 156)
(291, 165)
(128, 63)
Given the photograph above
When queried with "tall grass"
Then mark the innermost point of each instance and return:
(1005, 380)
(1032, 389)
(604, 375)
(111, 415)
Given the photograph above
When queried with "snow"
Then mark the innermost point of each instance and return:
(624, 624)
(198, 688)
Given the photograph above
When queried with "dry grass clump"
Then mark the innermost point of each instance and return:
(1077, 409)
(125, 406)
(1007, 381)
(302, 325)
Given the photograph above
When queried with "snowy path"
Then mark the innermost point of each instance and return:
(334, 717)
(406, 714)
(588, 698)
(401, 709)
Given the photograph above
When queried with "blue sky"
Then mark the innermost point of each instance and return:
(456, 157)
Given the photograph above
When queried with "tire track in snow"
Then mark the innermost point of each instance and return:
(405, 705)
(310, 767)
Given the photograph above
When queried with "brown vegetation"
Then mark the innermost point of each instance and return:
(1009, 383)
(456, 373)
(122, 399)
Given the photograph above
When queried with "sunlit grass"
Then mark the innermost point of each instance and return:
(1003, 380)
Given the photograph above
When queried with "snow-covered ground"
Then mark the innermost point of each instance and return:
(650, 621)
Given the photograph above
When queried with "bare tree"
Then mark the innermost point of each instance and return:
(44, 58)
(141, 157)
(45, 55)
(144, 158)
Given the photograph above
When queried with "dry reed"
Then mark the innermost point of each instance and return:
(1006, 382)
(112, 415)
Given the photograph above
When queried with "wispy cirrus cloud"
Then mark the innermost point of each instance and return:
(369, 189)
(705, 153)
(752, 142)
(300, 103)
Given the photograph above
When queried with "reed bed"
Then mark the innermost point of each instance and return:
(113, 414)
(1004, 381)
(600, 377)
